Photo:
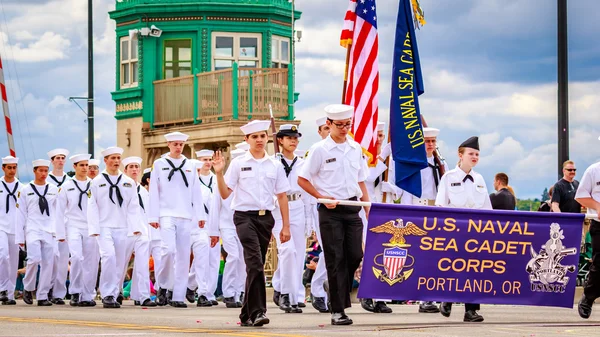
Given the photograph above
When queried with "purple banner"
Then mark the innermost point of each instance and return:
(473, 256)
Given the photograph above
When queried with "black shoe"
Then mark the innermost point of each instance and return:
(276, 295)
(319, 304)
(284, 302)
(57, 301)
(242, 297)
(214, 302)
(340, 318)
(110, 303)
(177, 304)
(149, 303)
(120, 299)
(92, 303)
(3, 296)
(136, 303)
(301, 305)
(294, 310)
(261, 320)
(74, 302)
(382, 308)
(203, 302)
(169, 296)
(247, 323)
(446, 308)
(428, 307)
(367, 304)
(190, 295)
(230, 302)
(9, 302)
(161, 297)
(584, 307)
(472, 316)
(44, 303)
(28, 297)
(86, 304)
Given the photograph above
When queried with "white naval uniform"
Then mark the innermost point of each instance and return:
(156, 246)
(9, 249)
(455, 191)
(288, 276)
(71, 224)
(428, 188)
(112, 222)
(589, 186)
(37, 230)
(174, 205)
(60, 269)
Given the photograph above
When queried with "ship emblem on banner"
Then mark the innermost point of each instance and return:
(397, 262)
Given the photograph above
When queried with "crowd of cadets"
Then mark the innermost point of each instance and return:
(183, 208)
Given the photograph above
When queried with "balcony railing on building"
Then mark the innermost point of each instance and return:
(230, 94)
(120, 4)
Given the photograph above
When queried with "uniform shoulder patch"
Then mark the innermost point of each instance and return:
(18, 194)
(17, 205)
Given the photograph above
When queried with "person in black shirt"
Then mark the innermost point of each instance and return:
(563, 198)
(503, 198)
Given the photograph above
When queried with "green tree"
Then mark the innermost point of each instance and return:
(545, 195)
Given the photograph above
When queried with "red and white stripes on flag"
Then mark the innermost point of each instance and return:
(360, 35)
(11, 143)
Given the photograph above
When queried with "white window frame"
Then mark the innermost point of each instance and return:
(236, 48)
(130, 61)
(277, 41)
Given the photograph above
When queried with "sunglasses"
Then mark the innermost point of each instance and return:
(571, 170)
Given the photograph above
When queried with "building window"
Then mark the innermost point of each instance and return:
(235, 47)
(280, 52)
(129, 62)
(177, 58)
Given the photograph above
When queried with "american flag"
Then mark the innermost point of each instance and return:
(360, 33)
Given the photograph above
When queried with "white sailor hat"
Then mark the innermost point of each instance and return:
(41, 162)
(237, 152)
(242, 146)
(300, 153)
(94, 162)
(79, 157)
(176, 137)
(288, 130)
(204, 153)
(147, 170)
(380, 126)
(255, 126)
(337, 112)
(430, 132)
(10, 160)
(111, 150)
(56, 152)
(131, 160)
(321, 121)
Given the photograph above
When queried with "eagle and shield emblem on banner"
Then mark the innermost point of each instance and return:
(396, 262)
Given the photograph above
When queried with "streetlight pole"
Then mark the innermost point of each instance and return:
(563, 87)
(90, 98)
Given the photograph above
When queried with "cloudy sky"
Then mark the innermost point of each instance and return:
(489, 68)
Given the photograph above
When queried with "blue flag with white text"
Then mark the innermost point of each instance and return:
(406, 132)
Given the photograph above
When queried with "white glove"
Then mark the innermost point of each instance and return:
(387, 187)
(386, 151)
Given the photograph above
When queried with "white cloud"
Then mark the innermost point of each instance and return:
(50, 46)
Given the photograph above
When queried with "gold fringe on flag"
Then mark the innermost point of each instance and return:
(419, 16)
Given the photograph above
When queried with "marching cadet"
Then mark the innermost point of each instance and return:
(113, 211)
(154, 233)
(588, 195)
(254, 179)
(336, 169)
(288, 276)
(175, 200)
(36, 227)
(462, 187)
(93, 168)
(9, 249)
(71, 223)
(58, 157)
(138, 242)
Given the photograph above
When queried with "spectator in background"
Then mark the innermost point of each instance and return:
(563, 198)
(504, 198)
(546, 205)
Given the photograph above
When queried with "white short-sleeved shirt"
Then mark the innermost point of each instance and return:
(336, 169)
(455, 191)
(589, 186)
(254, 182)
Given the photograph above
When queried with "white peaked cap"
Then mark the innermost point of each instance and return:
(204, 153)
(321, 121)
(131, 160)
(79, 157)
(380, 126)
(430, 132)
(56, 152)
(41, 162)
(300, 153)
(242, 146)
(337, 112)
(147, 170)
(255, 126)
(94, 162)
(111, 150)
(10, 160)
(176, 137)
(237, 152)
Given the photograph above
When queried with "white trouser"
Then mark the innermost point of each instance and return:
(140, 278)
(113, 245)
(291, 256)
(320, 275)
(84, 263)
(60, 269)
(198, 276)
(175, 234)
(234, 273)
(40, 253)
(156, 253)
(212, 276)
(9, 263)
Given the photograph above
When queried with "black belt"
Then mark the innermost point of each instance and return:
(255, 213)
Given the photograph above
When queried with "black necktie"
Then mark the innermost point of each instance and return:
(42, 202)
(288, 168)
(10, 194)
(82, 192)
(58, 183)
(174, 169)
(469, 177)
(378, 180)
(140, 198)
(114, 186)
(434, 168)
(209, 186)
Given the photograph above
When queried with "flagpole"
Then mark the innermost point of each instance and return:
(346, 74)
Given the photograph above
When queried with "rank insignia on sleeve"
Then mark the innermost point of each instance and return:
(89, 194)
(126, 185)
